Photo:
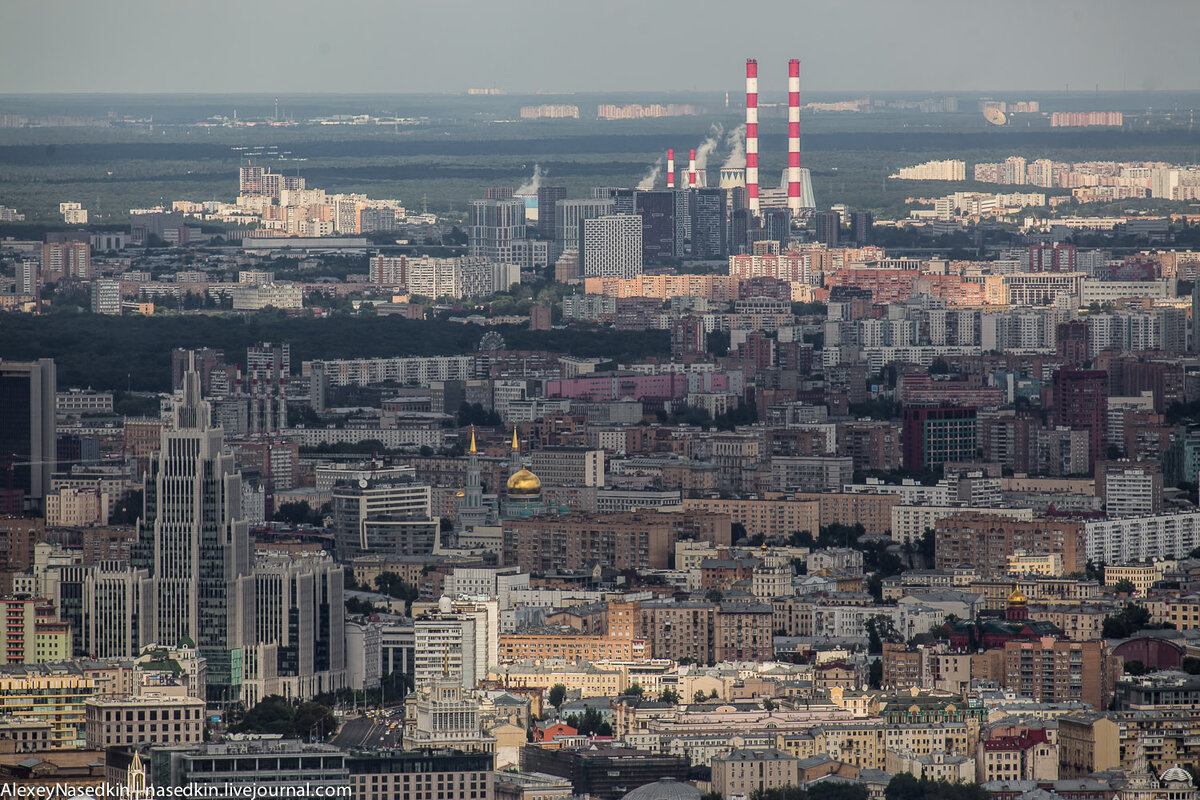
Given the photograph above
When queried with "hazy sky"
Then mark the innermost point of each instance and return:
(285, 46)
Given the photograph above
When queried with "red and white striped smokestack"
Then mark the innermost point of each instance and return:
(691, 169)
(670, 168)
(752, 135)
(793, 170)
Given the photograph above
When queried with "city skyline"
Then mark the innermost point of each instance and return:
(930, 45)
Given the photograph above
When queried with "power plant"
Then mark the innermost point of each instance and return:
(795, 185)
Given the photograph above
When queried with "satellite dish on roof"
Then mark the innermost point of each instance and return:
(994, 115)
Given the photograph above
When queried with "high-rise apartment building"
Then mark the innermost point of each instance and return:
(267, 369)
(862, 226)
(1130, 488)
(658, 213)
(933, 435)
(548, 199)
(458, 278)
(985, 541)
(29, 277)
(195, 547)
(1052, 258)
(460, 641)
(27, 426)
(710, 228)
(66, 258)
(828, 225)
(1071, 339)
(493, 227)
(1081, 403)
(569, 216)
(1053, 671)
(106, 296)
(387, 271)
(612, 247)
(32, 635)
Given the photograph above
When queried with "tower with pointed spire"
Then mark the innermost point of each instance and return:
(523, 493)
(473, 512)
(194, 545)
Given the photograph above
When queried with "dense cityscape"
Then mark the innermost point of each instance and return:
(617, 471)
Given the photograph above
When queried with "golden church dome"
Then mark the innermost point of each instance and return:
(524, 483)
(1017, 598)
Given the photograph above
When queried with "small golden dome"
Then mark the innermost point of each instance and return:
(461, 493)
(1017, 598)
(524, 483)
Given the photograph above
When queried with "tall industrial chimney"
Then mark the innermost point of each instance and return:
(691, 169)
(670, 168)
(793, 170)
(752, 135)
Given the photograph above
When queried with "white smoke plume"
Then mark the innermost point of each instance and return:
(647, 183)
(706, 147)
(534, 183)
(736, 140)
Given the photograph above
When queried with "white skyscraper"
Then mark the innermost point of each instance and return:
(612, 246)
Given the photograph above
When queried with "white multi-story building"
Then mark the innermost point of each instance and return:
(388, 437)
(388, 271)
(612, 247)
(334, 473)
(910, 492)
(1033, 288)
(273, 295)
(953, 327)
(497, 582)
(1117, 406)
(73, 213)
(1129, 539)
(459, 278)
(507, 390)
(405, 371)
(460, 640)
(948, 170)
(1131, 491)
(445, 716)
(106, 296)
(909, 522)
(83, 401)
(29, 276)
(493, 227)
(1093, 290)
(381, 516)
(255, 277)
(569, 216)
